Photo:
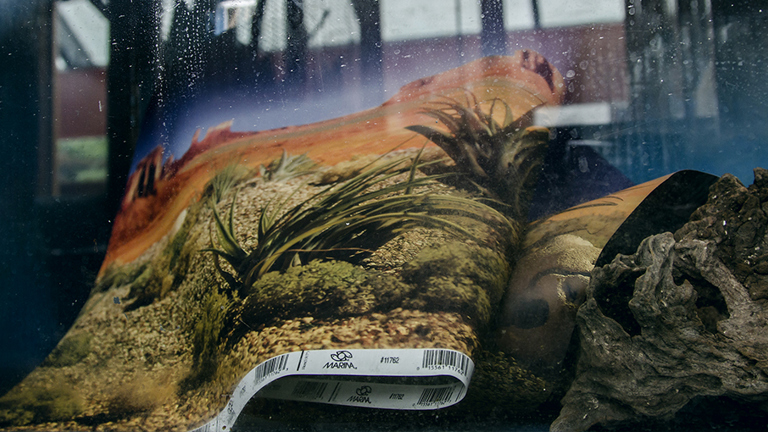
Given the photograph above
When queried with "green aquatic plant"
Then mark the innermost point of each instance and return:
(220, 185)
(224, 180)
(154, 279)
(180, 249)
(230, 247)
(70, 351)
(116, 275)
(322, 289)
(501, 159)
(206, 333)
(458, 277)
(141, 393)
(56, 400)
(287, 167)
(346, 221)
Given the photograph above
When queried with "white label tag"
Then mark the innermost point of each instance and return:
(365, 394)
(300, 378)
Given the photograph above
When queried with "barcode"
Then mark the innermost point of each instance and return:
(438, 395)
(309, 389)
(270, 366)
(437, 358)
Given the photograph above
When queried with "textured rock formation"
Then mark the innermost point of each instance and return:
(681, 324)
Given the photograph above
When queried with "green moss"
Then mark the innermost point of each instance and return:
(145, 277)
(321, 289)
(440, 293)
(57, 401)
(70, 351)
(117, 275)
(513, 389)
(145, 288)
(175, 248)
(140, 394)
(346, 222)
(177, 255)
(458, 277)
(206, 331)
(153, 280)
(455, 277)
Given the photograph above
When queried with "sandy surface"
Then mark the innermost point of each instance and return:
(133, 376)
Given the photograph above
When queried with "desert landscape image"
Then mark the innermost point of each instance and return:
(392, 228)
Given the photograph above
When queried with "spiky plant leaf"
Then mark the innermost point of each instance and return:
(287, 167)
(232, 251)
(221, 183)
(224, 180)
(347, 220)
(501, 159)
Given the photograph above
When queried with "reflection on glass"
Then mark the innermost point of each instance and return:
(448, 182)
(80, 95)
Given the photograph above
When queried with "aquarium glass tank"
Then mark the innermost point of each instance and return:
(384, 214)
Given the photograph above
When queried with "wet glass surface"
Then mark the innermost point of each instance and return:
(180, 211)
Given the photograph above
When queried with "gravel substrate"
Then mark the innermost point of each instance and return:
(134, 373)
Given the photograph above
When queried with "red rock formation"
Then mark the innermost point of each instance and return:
(216, 136)
(523, 81)
(142, 182)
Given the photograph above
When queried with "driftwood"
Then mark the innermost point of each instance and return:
(678, 332)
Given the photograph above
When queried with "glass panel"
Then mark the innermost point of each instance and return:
(404, 20)
(518, 14)
(80, 99)
(564, 13)
(394, 214)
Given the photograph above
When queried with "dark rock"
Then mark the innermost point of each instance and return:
(735, 219)
(680, 324)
